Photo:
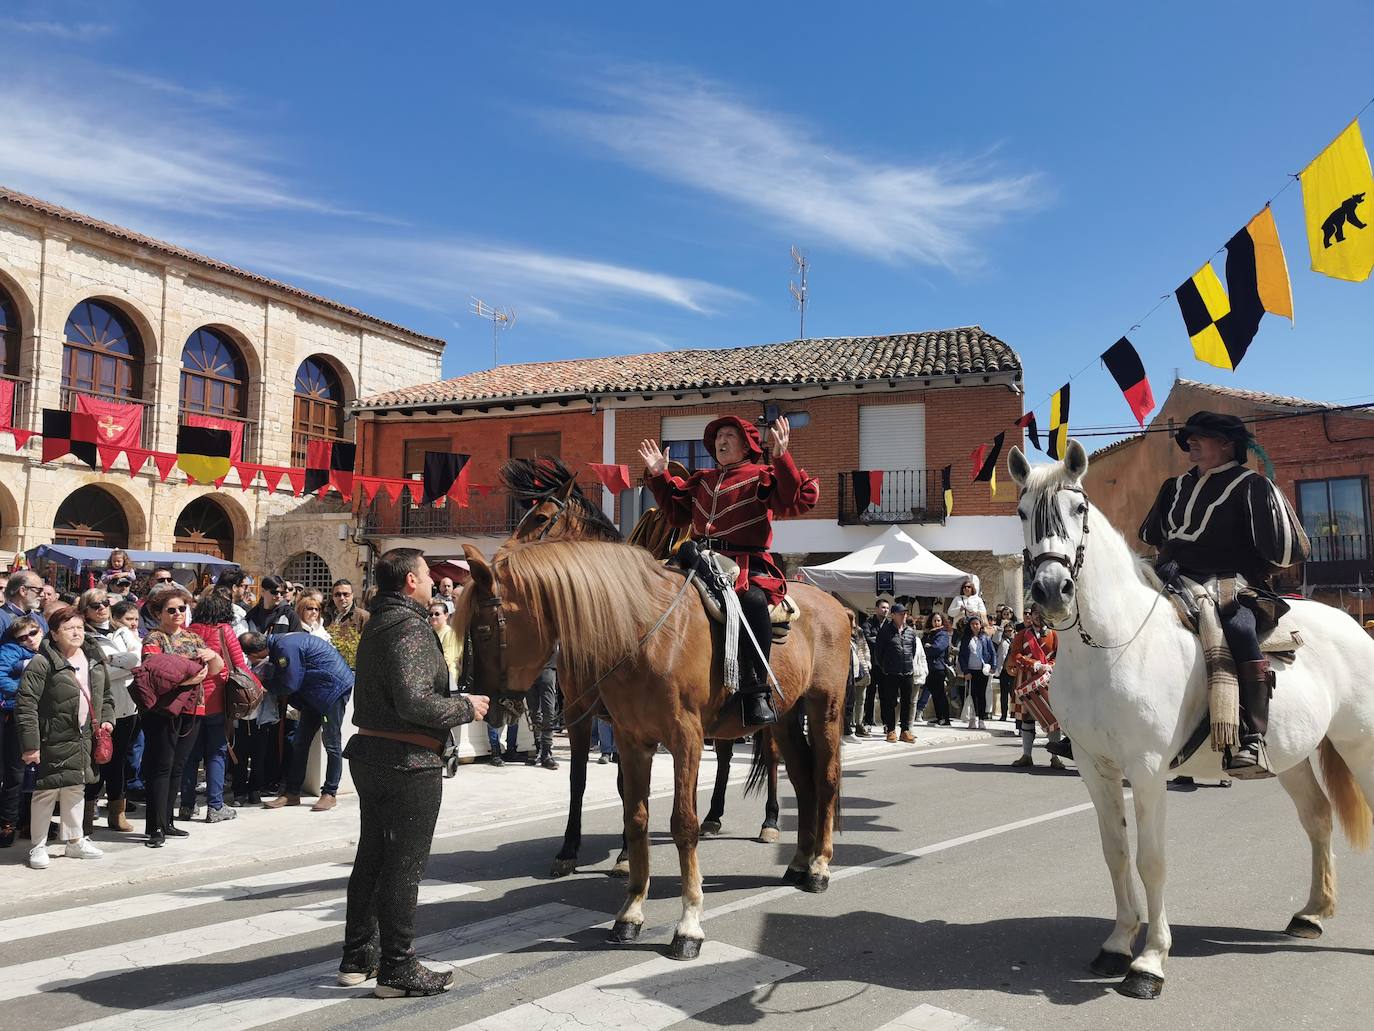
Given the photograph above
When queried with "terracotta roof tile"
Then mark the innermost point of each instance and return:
(1259, 396)
(23, 200)
(964, 351)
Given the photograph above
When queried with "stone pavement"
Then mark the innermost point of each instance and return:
(480, 796)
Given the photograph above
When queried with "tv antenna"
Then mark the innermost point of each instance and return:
(500, 318)
(798, 290)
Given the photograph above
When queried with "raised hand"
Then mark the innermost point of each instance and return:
(779, 435)
(655, 461)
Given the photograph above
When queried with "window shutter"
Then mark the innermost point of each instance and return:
(892, 437)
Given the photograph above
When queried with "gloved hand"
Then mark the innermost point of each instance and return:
(1167, 571)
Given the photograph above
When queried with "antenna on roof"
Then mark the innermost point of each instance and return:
(798, 290)
(500, 318)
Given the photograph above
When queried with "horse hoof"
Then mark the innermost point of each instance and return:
(621, 869)
(710, 827)
(1141, 984)
(816, 883)
(1303, 927)
(1110, 964)
(791, 876)
(684, 948)
(624, 932)
(563, 867)
(768, 836)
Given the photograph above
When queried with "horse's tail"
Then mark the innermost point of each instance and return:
(1351, 806)
(764, 757)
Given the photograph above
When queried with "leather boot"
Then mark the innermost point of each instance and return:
(1250, 761)
(88, 818)
(116, 815)
(755, 709)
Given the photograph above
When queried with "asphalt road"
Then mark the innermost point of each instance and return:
(967, 894)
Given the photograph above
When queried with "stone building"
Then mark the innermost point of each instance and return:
(905, 404)
(1323, 459)
(89, 309)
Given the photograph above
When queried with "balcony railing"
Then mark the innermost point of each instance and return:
(1345, 547)
(19, 416)
(908, 496)
(495, 515)
(1343, 560)
(149, 418)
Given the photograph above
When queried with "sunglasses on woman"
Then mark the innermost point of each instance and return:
(28, 634)
(175, 608)
(98, 605)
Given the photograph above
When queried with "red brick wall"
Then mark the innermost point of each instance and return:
(957, 420)
(1313, 448)
(486, 439)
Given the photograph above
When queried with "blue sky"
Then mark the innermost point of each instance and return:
(630, 177)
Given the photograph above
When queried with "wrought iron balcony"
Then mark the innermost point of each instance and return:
(908, 496)
(495, 515)
(148, 420)
(1344, 559)
(20, 412)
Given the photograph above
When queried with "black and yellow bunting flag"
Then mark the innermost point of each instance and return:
(203, 453)
(1338, 205)
(1222, 326)
(1058, 441)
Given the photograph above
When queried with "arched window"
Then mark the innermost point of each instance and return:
(91, 518)
(319, 406)
(309, 570)
(205, 528)
(103, 353)
(9, 336)
(213, 376)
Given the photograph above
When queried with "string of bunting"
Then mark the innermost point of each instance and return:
(1223, 319)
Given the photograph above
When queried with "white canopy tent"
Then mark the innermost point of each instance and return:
(915, 571)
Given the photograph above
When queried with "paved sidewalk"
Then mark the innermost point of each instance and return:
(512, 794)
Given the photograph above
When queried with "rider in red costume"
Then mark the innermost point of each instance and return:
(730, 510)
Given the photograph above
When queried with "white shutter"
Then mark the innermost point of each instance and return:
(892, 437)
(683, 427)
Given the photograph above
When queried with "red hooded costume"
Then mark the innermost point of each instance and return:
(734, 506)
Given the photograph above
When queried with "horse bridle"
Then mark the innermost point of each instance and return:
(560, 506)
(1074, 566)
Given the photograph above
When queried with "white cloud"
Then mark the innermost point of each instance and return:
(208, 97)
(79, 31)
(697, 134)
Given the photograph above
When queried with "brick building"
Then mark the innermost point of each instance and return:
(90, 310)
(906, 404)
(1323, 461)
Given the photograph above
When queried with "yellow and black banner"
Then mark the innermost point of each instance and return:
(203, 453)
(1057, 441)
(1338, 202)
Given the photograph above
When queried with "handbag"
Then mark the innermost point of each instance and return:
(242, 691)
(102, 746)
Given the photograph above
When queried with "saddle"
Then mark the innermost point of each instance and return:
(781, 616)
(1279, 634)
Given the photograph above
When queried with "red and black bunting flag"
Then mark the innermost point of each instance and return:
(987, 471)
(1027, 423)
(947, 488)
(1124, 363)
(330, 461)
(445, 475)
(868, 488)
(69, 433)
(203, 453)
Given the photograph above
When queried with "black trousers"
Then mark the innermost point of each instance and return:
(871, 697)
(167, 741)
(11, 769)
(754, 605)
(397, 813)
(935, 684)
(1242, 635)
(978, 687)
(114, 773)
(896, 691)
(251, 744)
(1006, 684)
(543, 707)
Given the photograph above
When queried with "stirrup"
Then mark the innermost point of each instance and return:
(1249, 762)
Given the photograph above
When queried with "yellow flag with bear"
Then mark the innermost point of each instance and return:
(1338, 198)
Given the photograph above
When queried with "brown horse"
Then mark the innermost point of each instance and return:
(633, 634)
(559, 510)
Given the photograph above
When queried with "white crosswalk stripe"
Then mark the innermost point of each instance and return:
(931, 1018)
(142, 906)
(192, 943)
(293, 993)
(648, 996)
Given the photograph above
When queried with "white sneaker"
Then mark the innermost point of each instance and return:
(83, 849)
(38, 857)
(972, 724)
(982, 725)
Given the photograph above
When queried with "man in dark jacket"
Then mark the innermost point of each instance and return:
(317, 680)
(403, 712)
(894, 653)
(870, 626)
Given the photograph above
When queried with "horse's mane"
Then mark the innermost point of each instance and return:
(533, 480)
(597, 598)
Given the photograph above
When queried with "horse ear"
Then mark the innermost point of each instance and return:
(478, 567)
(1075, 461)
(1018, 466)
(566, 491)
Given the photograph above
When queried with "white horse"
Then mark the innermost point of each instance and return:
(1130, 699)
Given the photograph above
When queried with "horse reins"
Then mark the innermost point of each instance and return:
(1075, 567)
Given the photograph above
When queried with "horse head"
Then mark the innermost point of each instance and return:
(557, 507)
(1054, 519)
(487, 622)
